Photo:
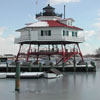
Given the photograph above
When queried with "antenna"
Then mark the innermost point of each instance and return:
(64, 11)
(49, 2)
(36, 6)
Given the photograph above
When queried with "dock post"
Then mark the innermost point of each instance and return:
(30, 66)
(17, 82)
(40, 65)
(6, 66)
(86, 67)
(51, 65)
(74, 62)
(63, 64)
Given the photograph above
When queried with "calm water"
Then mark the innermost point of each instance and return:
(73, 86)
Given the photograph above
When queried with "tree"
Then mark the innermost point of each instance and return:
(98, 52)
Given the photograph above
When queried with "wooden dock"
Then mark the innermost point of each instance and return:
(35, 68)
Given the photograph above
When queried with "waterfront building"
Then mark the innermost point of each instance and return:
(50, 35)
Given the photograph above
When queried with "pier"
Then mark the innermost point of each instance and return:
(35, 68)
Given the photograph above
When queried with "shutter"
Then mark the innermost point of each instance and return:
(63, 33)
(41, 32)
(76, 34)
(49, 32)
(72, 33)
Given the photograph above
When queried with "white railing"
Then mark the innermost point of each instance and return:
(22, 39)
(74, 39)
(58, 38)
(48, 38)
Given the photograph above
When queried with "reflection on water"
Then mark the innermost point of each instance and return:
(73, 86)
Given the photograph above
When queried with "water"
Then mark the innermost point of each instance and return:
(73, 86)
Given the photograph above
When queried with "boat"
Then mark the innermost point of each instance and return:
(52, 73)
(2, 75)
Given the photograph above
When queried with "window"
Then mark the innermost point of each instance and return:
(67, 33)
(69, 22)
(74, 34)
(45, 32)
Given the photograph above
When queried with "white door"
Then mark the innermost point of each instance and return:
(34, 35)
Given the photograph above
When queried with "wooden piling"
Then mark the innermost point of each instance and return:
(63, 67)
(40, 67)
(74, 63)
(86, 67)
(7, 66)
(17, 81)
(30, 67)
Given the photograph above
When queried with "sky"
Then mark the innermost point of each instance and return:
(14, 14)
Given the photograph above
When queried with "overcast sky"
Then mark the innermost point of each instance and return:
(15, 13)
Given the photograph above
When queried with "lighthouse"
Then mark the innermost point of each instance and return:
(50, 36)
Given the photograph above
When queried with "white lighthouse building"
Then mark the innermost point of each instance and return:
(52, 31)
(50, 27)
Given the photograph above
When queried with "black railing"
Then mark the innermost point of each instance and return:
(48, 14)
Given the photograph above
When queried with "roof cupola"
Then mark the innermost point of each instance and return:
(49, 12)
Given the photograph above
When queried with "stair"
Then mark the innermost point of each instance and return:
(67, 57)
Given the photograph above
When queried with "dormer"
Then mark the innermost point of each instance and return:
(68, 21)
(48, 14)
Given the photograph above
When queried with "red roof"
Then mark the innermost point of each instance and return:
(53, 23)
